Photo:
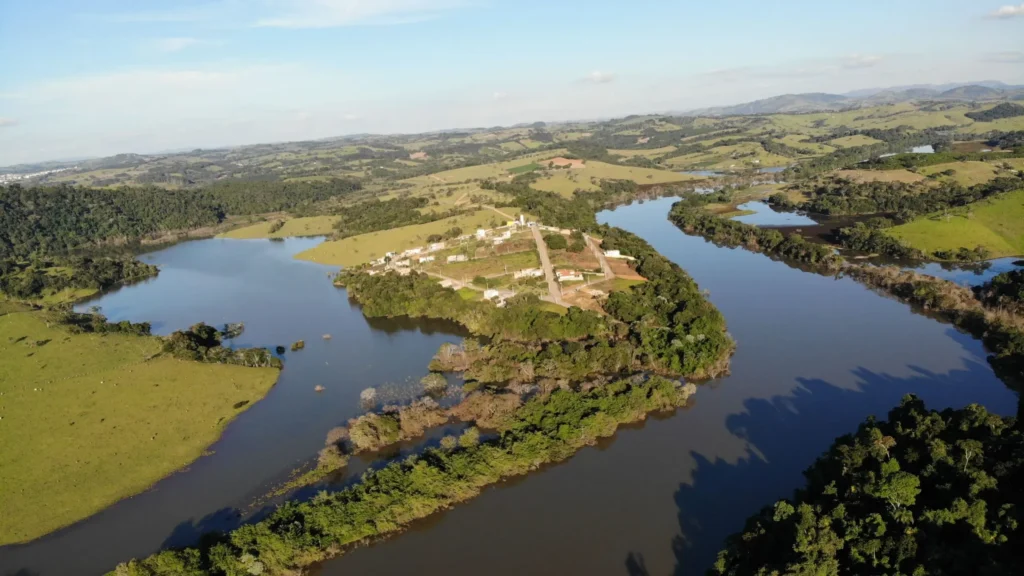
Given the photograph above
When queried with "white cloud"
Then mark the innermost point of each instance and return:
(855, 61)
(335, 13)
(1004, 57)
(599, 77)
(176, 44)
(7, 122)
(1009, 12)
(499, 95)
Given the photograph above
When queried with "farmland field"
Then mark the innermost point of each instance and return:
(311, 226)
(965, 173)
(851, 141)
(565, 182)
(996, 224)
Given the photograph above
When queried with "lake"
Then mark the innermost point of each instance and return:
(280, 300)
(765, 216)
(815, 356)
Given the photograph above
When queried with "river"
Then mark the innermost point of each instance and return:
(815, 356)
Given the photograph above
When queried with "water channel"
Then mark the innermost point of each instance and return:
(815, 356)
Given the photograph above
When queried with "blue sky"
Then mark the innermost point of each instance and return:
(103, 77)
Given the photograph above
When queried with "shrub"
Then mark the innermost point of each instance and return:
(470, 438)
(434, 383)
(556, 241)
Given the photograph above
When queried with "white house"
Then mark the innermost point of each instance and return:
(613, 254)
(457, 258)
(412, 251)
(481, 233)
(569, 276)
(437, 246)
(401, 264)
(498, 241)
(425, 259)
(389, 254)
(447, 283)
(491, 294)
(528, 273)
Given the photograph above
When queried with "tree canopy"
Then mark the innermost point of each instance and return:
(923, 492)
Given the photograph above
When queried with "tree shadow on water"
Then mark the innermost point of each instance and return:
(785, 435)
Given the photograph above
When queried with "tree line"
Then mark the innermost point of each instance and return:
(54, 220)
(548, 428)
(922, 492)
(33, 280)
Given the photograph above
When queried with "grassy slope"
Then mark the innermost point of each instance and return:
(880, 175)
(649, 153)
(565, 182)
(722, 158)
(311, 226)
(997, 224)
(967, 173)
(365, 247)
(851, 141)
(104, 424)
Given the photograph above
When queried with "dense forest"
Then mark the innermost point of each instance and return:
(548, 428)
(835, 196)
(923, 492)
(33, 280)
(57, 220)
(1004, 110)
(374, 215)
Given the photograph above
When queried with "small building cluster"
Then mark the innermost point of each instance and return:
(569, 275)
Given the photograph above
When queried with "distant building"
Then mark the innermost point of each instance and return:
(418, 156)
(401, 264)
(569, 276)
(457, 258)
(412, 252)
(481, 233)
(425, 259)
(437, 246)
(613, 254)
(403, 271)
(447, 283)
(389, 254)
(491, 294)
(498, 241)
(528, 273)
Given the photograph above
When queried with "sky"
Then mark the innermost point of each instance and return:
(101, 77)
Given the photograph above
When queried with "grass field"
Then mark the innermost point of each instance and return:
(997, 224)
(880, 175)
(87, 420)
(745, 155)
(366, 247)
(809, 148)
(565, 182)
(651, 153)
(851, 141)
(311, 226)
(965, 173)
(492, 266)
(483, 171)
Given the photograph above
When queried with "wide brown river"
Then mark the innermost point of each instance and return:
(816, 355)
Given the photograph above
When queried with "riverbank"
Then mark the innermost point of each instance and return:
(547, 429)
(89, 419)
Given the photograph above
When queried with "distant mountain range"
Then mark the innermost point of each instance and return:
(821, 102)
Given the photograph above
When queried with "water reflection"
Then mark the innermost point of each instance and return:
(765, 215)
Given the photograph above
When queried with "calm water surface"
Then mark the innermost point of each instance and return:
(764, 215)
(816, 356)
(281, 300)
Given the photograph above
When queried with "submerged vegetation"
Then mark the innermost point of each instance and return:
(546, 429)
(923, 492)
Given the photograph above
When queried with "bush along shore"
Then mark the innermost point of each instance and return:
(999, 327)
(546, 429)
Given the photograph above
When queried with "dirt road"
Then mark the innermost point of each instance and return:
(599, 254)
(549, 271)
